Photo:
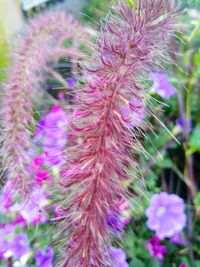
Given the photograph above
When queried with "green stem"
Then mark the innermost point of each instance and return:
(188, 172)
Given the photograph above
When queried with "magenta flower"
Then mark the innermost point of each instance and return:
(118, 257)
(166, 214)
(155, 248)
(44, 257)
(183, 265)
(6, 197)
(161, 85)
(43, 176)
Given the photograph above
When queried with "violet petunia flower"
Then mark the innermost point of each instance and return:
(7, 232)
(51, 135)
(161, 85)
(178, 238)
(71, 82)
(155, 249)
(12, 244)
(120, 217)
(118, 257)
(114, 222)
(20, 245)
(182, 123)
(166, 214)
(44, 257)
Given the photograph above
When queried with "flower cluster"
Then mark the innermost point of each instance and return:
(16, 247)
(12, 244)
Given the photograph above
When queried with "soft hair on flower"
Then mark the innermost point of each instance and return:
(132, 41)
(40, 42)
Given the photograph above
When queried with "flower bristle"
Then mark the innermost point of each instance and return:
(131, 43)
(40, 42)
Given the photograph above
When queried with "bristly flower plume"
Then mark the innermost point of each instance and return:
(131, 43)
(40, 43)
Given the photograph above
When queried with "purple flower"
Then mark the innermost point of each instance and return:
(166, 214)
(20, 245)
(12, 245)
(71, 82)
(178, 238)
(155, 249)
(33, 210)
(51, 134)
(7, 232)
(118, 257)
(162, 86)
(115, 222)
(182, 123)
(183, 265)
(44, 257)
(6, 197)
(120, 216)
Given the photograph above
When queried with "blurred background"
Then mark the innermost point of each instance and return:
(171, 163)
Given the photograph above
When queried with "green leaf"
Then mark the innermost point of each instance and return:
(137, 263)
(197, 200)
(153, 263)
(195, 139)
(164, 163)
(197, 264)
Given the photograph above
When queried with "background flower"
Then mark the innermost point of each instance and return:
(161, 85)
(44, 257)
(155, 248)
(166, 214)
(51, 135)
(118, 257)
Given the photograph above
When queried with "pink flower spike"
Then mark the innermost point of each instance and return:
(40, 42)
(130, 42)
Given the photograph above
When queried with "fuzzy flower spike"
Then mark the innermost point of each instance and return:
(131, 41)
(40, 43)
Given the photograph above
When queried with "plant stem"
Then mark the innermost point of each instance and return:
(188, 172)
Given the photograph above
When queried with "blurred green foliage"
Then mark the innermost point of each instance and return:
(3, 54)
(95, 10)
